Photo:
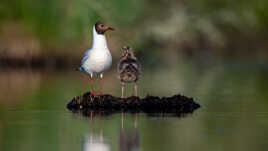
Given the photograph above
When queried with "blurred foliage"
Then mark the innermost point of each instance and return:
(67, 20)
(203, 29)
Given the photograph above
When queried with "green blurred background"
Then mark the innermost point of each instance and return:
(214, 30)
(213, 51)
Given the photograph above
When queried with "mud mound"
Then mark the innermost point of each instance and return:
(108, 104)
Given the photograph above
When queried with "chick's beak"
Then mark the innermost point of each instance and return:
(124, 56)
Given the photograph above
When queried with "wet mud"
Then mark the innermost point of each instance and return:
(178, 105)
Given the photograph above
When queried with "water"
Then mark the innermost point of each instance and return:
(233, 115)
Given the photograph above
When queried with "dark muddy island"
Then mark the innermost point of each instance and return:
(108, 104)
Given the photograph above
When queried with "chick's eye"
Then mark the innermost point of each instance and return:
(102, 25)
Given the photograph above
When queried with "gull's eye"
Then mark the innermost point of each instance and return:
(102, 25)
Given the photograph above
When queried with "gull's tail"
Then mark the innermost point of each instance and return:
(82, 69)
(78, 69)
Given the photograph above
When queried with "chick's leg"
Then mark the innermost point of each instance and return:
(136, 89)
(122, 90)
(101, 84)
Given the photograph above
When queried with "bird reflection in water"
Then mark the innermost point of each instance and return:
(129, 140)
(93, 142)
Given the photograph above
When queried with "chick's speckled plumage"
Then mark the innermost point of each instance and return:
(129, 67)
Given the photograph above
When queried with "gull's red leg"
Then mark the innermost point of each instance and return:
(101, 84)
(92, 85)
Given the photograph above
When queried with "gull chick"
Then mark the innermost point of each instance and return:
(98, 58)
(129, 69)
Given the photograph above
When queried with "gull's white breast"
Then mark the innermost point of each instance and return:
(97, 61)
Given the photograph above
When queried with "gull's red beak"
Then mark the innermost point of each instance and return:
(110, 28)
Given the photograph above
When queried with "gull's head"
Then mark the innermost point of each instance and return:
(101, 28)
(127, 52)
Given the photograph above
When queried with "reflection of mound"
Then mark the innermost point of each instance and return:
(108, 104)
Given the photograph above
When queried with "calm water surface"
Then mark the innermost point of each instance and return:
(233, 116)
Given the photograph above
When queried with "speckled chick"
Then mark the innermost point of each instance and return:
(129, 69)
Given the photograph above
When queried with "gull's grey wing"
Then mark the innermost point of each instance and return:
(86, 56)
